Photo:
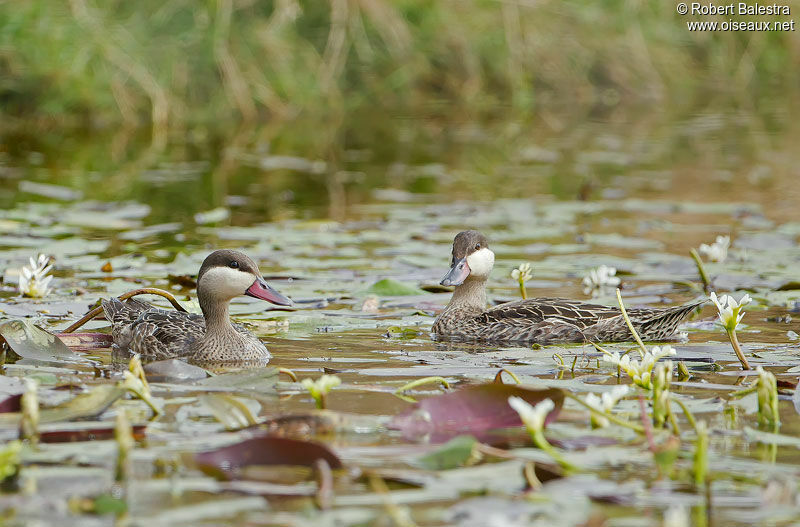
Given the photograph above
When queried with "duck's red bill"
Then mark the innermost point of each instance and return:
(261, 289)
(457, 274)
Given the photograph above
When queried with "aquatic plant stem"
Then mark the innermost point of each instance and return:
(636, 337)
(673, 421)
(700, 269)
(737, 348)
(399, 515)
(541, 442)
(499, 376)
(522, 291)
(290, 373)
(143, 291)
(700, 466)
(614, 419)
(686, 412)
(423, 381)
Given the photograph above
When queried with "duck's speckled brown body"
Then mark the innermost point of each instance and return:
(536, 320)
(158, 334)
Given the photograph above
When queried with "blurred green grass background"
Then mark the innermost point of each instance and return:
(144, 100)
(180, 64)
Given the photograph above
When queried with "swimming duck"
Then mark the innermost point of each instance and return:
(158, 334)
(536, 320)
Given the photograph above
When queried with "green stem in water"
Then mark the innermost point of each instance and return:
(613, 418)
(737, 349)
(747, 391)
(540, 441)
(686, 412)
(636, 337)
(499, 376)
(423, 381)
(522, 290)
(701, 456)
(701, 269)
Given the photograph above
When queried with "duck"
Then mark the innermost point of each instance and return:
(159, 334)
(535, 320)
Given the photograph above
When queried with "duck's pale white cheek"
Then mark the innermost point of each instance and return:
(481, 262)
(226, 282)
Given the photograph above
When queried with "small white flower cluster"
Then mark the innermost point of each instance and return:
(717, 251)
(532, 416)
(34, 281)
(605, 403)
(641, 371)
(730, 311)
(522, 273)
(600, 279)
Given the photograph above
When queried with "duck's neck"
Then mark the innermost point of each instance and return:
(469, 296)
(218, 322)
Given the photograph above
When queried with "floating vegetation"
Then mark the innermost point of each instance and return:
(612, 433)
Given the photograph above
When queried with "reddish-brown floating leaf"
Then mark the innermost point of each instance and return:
(226, 462)
(86, 434)
(472, 409)
(11, 404)
(86, 341)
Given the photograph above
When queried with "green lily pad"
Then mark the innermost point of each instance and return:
(392, 287)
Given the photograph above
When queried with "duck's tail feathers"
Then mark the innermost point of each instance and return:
(662, 324)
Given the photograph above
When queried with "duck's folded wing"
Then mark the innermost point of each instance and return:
(161, 334)
(536, 310)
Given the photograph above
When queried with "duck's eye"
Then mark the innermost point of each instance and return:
(477, 246)
(234, 264)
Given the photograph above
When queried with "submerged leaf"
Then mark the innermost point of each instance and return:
(173, 370)
(262, 380)
(227, 462)
(86, 341)
(454, 453)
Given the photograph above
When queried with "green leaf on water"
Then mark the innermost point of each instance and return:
(454, 453)
(108, 504)
(392, 287)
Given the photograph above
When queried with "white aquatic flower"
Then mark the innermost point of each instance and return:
(600, 278)
(34, 281)
(605, 403)
(730, 311)
(641, 371)
(717, 251)
(522, 273)
(533, 416)
(321, 386)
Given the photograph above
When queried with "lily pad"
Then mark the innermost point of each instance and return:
(392, 287)
(473, 409)
(226, 462)
(32, 342)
